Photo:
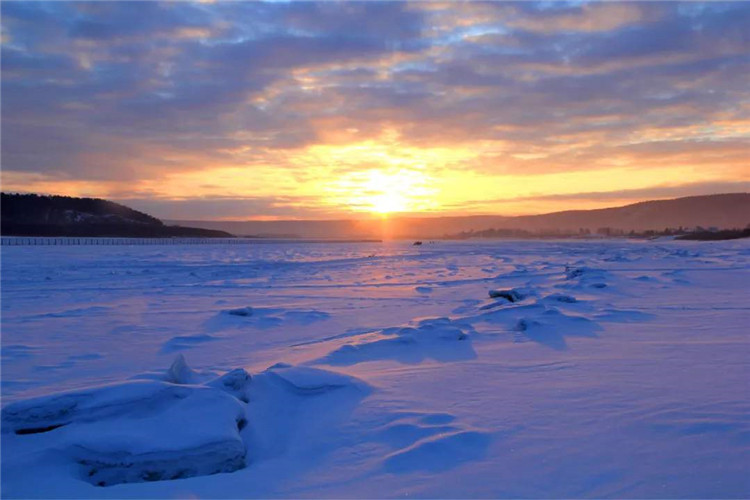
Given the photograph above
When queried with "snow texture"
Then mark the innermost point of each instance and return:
(593, 369)
(138, 431)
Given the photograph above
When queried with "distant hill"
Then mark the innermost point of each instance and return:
(723, 211)
(36, 215)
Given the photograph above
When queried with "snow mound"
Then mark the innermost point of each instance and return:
(235, 382)
(430, 329)
(304, 380)
(441, 339)
(584, 272)
(142, 430)
(587, 277)
(551, 328)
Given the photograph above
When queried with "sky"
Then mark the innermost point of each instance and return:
(303, 110)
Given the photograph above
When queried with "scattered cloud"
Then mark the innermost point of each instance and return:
(200, 105)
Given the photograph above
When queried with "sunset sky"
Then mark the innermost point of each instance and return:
(324, 110)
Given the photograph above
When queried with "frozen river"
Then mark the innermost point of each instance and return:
(599, 369)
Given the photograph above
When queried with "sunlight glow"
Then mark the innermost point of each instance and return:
(383, 176)
(400, 191)
(385, 191)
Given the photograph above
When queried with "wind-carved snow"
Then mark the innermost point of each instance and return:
(457, 369)
(552, 327)
(561, 297)
(430, 442)
(309, 381)
(440, 452)
(440, 339)
(266, 317)
(145, 431)
(586, 277)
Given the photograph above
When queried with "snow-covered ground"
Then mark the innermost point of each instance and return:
(597, 369)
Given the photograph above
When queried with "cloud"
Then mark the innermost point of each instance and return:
(228, 208)
(591, 17)
(145, 92)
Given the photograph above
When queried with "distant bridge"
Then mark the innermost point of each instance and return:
(71, 240)
(101, 241)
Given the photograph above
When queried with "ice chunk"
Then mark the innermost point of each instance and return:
(139, 431)
(192, 436)
(89, 405)
(235, 382)
(551, 328)
(180, 372)
(106, 469)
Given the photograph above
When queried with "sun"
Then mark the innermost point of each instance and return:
(386, 191)
(388, 203)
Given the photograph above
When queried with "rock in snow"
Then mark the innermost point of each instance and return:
(242, 311)
(512, 295)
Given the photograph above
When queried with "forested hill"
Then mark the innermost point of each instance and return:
(36, 209)
(38, 215)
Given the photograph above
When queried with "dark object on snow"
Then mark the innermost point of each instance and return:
(509, 295)
(574, 272)
(730, 234)
(417, 243)
(242, 311)
(567, 299)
